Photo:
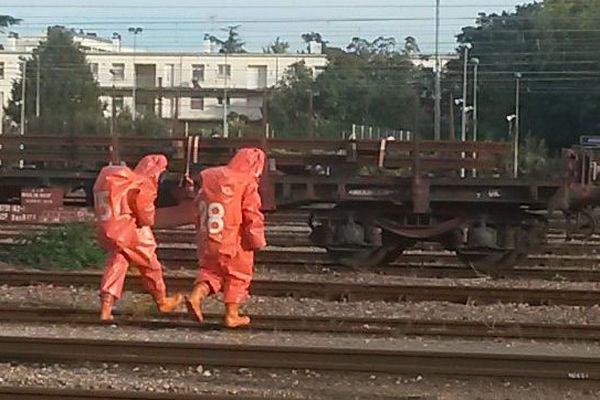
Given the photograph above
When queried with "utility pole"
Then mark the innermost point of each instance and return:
(311, 121)
(438, 76)
(225, 124)
(37, 89)
(265, 112)
(475, 62)
(517, 117)
(113, 113)
(463, 130)
(176, 113)
(114, 141)
(451, 131)
(135, 31)
(160, 97)
(23, 94)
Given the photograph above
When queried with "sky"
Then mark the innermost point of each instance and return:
(180, 25)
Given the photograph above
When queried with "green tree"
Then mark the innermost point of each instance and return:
(364, 48)
(410, 46)
(371, 83)
(313, 37)
(378, 87)
(555, 46)
(277, 47)
(69, 94)
(233, 43)
(6, 21)
(147, 124)
(288, 113)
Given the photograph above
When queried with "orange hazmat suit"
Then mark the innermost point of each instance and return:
(230, 228)
(124, 205)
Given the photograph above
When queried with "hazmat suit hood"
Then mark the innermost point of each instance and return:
(152, 166)
(248, 161)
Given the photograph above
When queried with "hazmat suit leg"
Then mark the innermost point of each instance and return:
(212, 275)
(113, 278)
(235, 291)
(143, 254)
(238, 276)
(208, 281)
(193, 302)
(112, 283)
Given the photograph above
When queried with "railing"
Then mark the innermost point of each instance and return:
(90, 152)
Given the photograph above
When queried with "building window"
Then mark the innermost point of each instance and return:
(118, 72)
(197, 103)
(225, 70)
(220, 100)
(198, 73)
(119, 104)
(94, 69)
(2, 70)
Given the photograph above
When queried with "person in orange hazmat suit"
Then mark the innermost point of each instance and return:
(125, 212)
(230, 227)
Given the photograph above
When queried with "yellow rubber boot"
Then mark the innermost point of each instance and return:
(233, 319)
(193, 302)
(106, 307)
(168, 304)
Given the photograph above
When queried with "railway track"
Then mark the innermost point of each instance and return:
(186, 256)
(290, 236)
(42, 393)
(462, 360)
(386, 327)
(418, 265)
(335, 291)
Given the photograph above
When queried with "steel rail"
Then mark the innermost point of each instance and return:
(187, 256)
(291, 238)
(388, 327)
(501, 362)
(43, 393)
(338, 291)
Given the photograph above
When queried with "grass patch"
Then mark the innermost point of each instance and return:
(71, 246)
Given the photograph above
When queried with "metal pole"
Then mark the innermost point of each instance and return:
(438, 76)
(463, 131)
(225, 124)
(134, 94)
(160, 98)
(452, 128)
(517, 116)
(265, 112)
(311, 124)
(113, 113)
(475, 88)
(23, 94)
(37, 89)
(114, 142)
(135, 31)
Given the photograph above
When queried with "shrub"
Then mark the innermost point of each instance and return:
(71, 246)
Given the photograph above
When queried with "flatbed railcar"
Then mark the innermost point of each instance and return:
(369, 199)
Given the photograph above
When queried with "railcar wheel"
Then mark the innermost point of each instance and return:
(498, 262)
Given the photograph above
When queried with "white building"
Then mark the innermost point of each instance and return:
(183, 86)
